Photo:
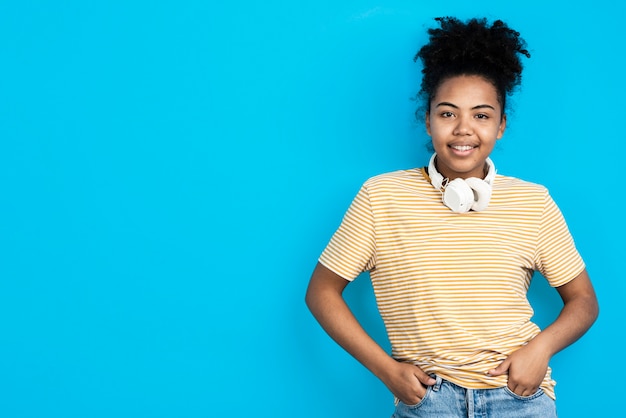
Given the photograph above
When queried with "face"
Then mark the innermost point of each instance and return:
(464, 121)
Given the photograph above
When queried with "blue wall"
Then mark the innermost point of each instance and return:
(170, 171)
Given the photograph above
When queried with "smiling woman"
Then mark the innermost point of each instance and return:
(451, 275)
(464, 122)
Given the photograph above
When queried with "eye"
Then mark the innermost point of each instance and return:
(447, 114)
(482, 116)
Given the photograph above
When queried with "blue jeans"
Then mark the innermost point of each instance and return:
(447, 400)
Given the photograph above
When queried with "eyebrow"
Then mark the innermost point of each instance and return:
(480, 106)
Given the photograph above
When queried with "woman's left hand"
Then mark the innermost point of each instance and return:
(526, 368)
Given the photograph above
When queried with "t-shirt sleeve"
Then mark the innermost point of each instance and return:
(352, 248)
(556, 257)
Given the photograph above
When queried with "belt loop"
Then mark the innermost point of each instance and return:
(437, 384)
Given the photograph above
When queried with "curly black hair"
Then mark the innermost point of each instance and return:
(472, 48)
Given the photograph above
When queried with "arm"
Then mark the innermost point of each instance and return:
(324, 299)
(528, 366)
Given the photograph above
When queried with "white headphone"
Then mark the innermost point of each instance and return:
(461, 195)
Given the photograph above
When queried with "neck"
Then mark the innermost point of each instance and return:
(446, 175)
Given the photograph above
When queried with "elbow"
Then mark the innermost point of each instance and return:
(595, 309)
(310, 298)
(589, 309)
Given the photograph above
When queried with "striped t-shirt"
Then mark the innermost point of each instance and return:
(451, 287)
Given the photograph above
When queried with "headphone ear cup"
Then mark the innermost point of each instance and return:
(481, 191)
(458, 196)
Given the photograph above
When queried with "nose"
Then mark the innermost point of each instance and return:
(463, 127)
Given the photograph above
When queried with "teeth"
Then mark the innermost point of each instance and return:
(462, 147)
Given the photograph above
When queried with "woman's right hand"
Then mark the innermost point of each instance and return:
(407, 382)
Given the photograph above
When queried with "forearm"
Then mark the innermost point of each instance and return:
(579, 312)
(331, 311)
(575, 319)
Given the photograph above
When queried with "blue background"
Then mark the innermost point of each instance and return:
(171, 170)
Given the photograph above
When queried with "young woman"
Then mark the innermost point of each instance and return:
(451, 249)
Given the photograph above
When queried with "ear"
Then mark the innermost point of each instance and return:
(502, 127)
(427, 120)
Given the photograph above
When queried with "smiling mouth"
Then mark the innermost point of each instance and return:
(462, 147)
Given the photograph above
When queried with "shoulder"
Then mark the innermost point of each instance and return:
(512, 192)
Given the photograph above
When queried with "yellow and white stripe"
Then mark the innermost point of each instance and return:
(451, 287)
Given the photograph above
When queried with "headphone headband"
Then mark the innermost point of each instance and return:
(437, 179)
